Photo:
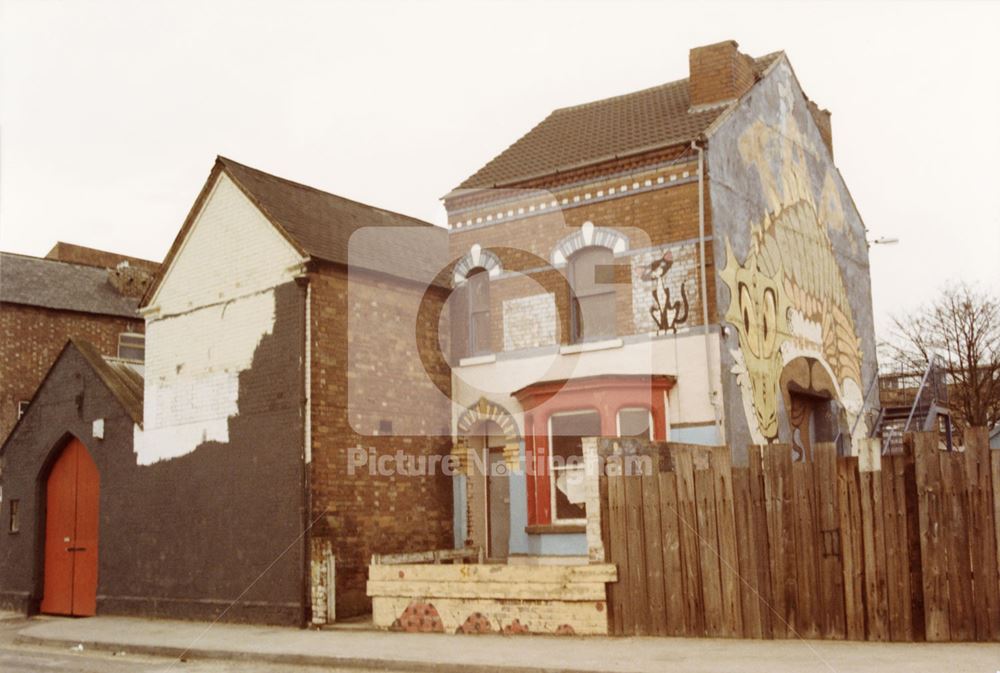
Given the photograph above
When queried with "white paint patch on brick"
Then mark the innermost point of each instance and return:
(193, 364)
(232, 250)
(215, 304)
(529, 322)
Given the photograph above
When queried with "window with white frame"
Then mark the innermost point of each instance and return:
(592, 311)
(22, 408)
(635, 423)
(566, 433)
(132, 346)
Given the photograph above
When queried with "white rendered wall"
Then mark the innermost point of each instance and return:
(682, 356)
(203, 325)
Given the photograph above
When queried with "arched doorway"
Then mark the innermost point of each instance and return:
(489, 489)
(72, 499)
(488, 448)
(814, 412)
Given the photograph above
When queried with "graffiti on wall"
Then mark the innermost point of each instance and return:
(667, 314)
(787, 296)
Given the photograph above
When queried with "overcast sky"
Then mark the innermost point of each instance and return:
(111, 113)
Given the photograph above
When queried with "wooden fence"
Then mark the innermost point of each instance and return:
(814, 550)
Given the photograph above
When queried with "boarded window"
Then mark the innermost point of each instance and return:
(593, 305)
(479, 312)
(132, 346)
(568, 474)
(15, 516)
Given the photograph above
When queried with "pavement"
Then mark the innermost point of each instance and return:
(25, 658)
(440, 653)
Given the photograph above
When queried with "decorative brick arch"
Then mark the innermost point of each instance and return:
(486, 410)
(588, 235)
(476, 257)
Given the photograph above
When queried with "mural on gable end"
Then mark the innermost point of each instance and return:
(798, 345)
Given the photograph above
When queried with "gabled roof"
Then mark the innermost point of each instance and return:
(61, 285)
(320, 225)
(121, 378)
(602, 130)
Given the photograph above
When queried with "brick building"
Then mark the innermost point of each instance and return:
(85, 413)
(73, 291)
(683, 262)
(248, 360)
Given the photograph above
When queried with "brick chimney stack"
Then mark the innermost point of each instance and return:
(718, 73)
(822, 118)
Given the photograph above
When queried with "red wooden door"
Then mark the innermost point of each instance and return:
(71, 522)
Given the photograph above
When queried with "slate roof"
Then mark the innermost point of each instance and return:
(61, 285)
(570, 137)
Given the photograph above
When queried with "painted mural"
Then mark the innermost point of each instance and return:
(667, 314)
(788, 300)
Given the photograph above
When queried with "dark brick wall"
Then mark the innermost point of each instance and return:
(364, 514)
(31, 338)
(184, 537)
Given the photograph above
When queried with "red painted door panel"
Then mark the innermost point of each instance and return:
(71, 524)
(60, 526)
(88, 497)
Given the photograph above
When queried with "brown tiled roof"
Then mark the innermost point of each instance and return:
(584, 134)
(320, 225)
(320, 222)
(34, 281)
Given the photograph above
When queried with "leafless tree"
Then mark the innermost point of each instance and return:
(962, 327)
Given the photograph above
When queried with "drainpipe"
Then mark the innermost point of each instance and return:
(713, 391)
(303, 282)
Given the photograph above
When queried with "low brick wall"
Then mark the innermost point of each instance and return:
(482, 598)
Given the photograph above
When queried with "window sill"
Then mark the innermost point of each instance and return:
(556, 528)
(588, 346)
(478, 360)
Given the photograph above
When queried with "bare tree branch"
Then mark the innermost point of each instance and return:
(962, 327)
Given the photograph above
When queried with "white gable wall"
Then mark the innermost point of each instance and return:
(215, 303)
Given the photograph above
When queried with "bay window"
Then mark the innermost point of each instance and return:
(566, 432)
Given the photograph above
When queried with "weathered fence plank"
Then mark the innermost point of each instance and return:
(760, 542)
(808, 549)
(831, 578)
(655, 589)
(748, 553)
(850, 544)
(721, 466)
(673, 572)
(933, 538)
(637, 593)
(622, 621)
(694, 613)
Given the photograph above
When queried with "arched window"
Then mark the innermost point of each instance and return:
(592, 310)
(478, 285)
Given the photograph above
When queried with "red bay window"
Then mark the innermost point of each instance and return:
(559, 414)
